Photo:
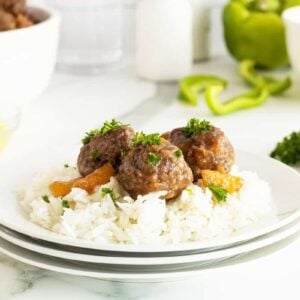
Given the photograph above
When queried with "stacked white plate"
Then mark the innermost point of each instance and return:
(31, 244)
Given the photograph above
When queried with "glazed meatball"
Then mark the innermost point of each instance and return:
(207, 150)
(152, 168)
(7, 21)
(104, 148)
(13, 6)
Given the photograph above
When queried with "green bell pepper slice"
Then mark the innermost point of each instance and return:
(274, 86)
(191, 86)
(248, 100)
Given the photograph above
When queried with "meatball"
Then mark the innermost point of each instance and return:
(7, 21)
(152, 168)
(207, 150)
(13, 6)
(104, 148)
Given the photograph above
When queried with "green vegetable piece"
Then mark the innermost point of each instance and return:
(251, 99)
(96, 155)
(288, 150)
(66, 166)
(110, 125)
(153, 159)
(107, 191)
(274, 86)
(195, 126)
(89, 136)
(178, 153)
(219, 193)
(140, 138)
(46, 198)
(191, 86)
(65, 203)
(254, 30)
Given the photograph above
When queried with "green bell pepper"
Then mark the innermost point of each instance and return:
(248, 100)
(274, 86)
(253, 29)
(191, 86)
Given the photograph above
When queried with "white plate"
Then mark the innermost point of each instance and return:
(285, 183)
(134, 273)
(255, 244)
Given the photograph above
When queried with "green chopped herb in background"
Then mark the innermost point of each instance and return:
(219, 193)
(65, 203)
(108, 191)
(66, 166)
(96, 155)
(178, 153)
(288, 150)
(195, 126)
(153, 159)
(110, 125)
(46, 198)
(140, 138)
(89, 136)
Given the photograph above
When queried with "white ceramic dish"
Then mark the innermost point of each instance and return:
(133, 273)
(28, 56)
(255, 244)
(281, 178)
(291, 18)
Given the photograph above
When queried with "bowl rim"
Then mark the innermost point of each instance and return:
(53, 16)
(292, 15)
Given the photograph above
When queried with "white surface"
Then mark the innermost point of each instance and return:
(275, 276)
(32, 52)
(164, 32)
(13, 217)
(291, 19)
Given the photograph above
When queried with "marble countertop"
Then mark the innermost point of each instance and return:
(73, 104)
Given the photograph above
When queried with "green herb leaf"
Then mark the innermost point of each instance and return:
(178, 153)
(195, 126)
(66, 166)
(65, 203)
(140, 138)
(110, 125)
(46, 198)
(89, 136)
(219, 193)
(108, 191)
(96, 155)
(153, 159)
(288, 150)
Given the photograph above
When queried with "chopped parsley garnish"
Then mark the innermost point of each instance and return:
(195, 126)
(108, 191)
(89, 136)
(219, 193)
(140, 138)
(288, 150)
(46, 198)
(65, 203)
(189, 190)
(153, 159)
(66, 166)
(178, 153)
(108, 126)
(96, 155)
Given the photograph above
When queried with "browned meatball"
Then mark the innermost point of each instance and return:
(154, 168)
(7, 21)
(13, 6)
(104, 148)
(207, 150)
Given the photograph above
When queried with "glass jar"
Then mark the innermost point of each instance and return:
(91, 33)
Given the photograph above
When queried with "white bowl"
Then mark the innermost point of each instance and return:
(28, 56)
(291, 18)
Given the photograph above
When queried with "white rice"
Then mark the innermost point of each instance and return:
(193, 216)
